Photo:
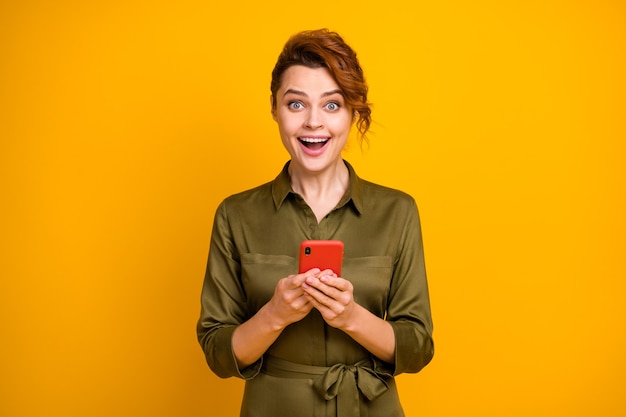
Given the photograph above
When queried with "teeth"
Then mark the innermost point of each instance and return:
(313, 140)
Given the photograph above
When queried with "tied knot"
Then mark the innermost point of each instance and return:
(345, 381)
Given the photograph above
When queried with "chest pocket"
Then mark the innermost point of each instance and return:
(260, 273)
(371, 279)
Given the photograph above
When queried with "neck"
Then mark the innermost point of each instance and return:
(328, 185)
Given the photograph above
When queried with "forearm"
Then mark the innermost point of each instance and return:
(252, 338)
(373, 333)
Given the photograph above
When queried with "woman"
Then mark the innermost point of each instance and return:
(316, 344)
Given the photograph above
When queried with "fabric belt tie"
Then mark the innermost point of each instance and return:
(338, 381)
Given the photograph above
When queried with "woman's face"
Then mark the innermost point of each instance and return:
(313, 118)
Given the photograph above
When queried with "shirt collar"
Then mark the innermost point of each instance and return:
(281, 188)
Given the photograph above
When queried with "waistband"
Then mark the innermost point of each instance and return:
(339, 381)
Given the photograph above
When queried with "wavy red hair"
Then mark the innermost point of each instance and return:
(323, 48)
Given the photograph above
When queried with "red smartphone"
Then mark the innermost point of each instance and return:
(322, 254)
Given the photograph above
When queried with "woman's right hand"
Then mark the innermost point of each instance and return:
(289, 304)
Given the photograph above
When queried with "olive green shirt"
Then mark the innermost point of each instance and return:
(255, 242)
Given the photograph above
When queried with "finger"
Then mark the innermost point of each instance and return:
(308, 274)
(328, 308)
(295, 281)
(337, 282)
(334, 287)
(287, 284)
(327, 272)
(315, 284)
(330, 297)
(302, 303)
(319, 297)
(313, 300)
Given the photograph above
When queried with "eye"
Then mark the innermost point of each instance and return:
(295, 105)
(332, 106)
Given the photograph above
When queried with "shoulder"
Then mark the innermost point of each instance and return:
(376, 195)
(248, 198)
(379, 190)
(270, 193)
(245, 207)
(368, 195)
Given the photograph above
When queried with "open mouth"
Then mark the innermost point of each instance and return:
(314, 143)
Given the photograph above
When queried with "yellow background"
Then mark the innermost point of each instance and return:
(123, 125)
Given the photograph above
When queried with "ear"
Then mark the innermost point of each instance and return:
(272, 107)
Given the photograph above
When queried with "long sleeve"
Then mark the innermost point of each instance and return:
(408, 304)
(223, 302)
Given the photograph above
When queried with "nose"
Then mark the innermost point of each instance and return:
(313, 119)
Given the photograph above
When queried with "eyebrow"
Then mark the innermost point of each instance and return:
(303, 94)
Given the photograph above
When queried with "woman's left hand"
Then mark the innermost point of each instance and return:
(332, 296)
